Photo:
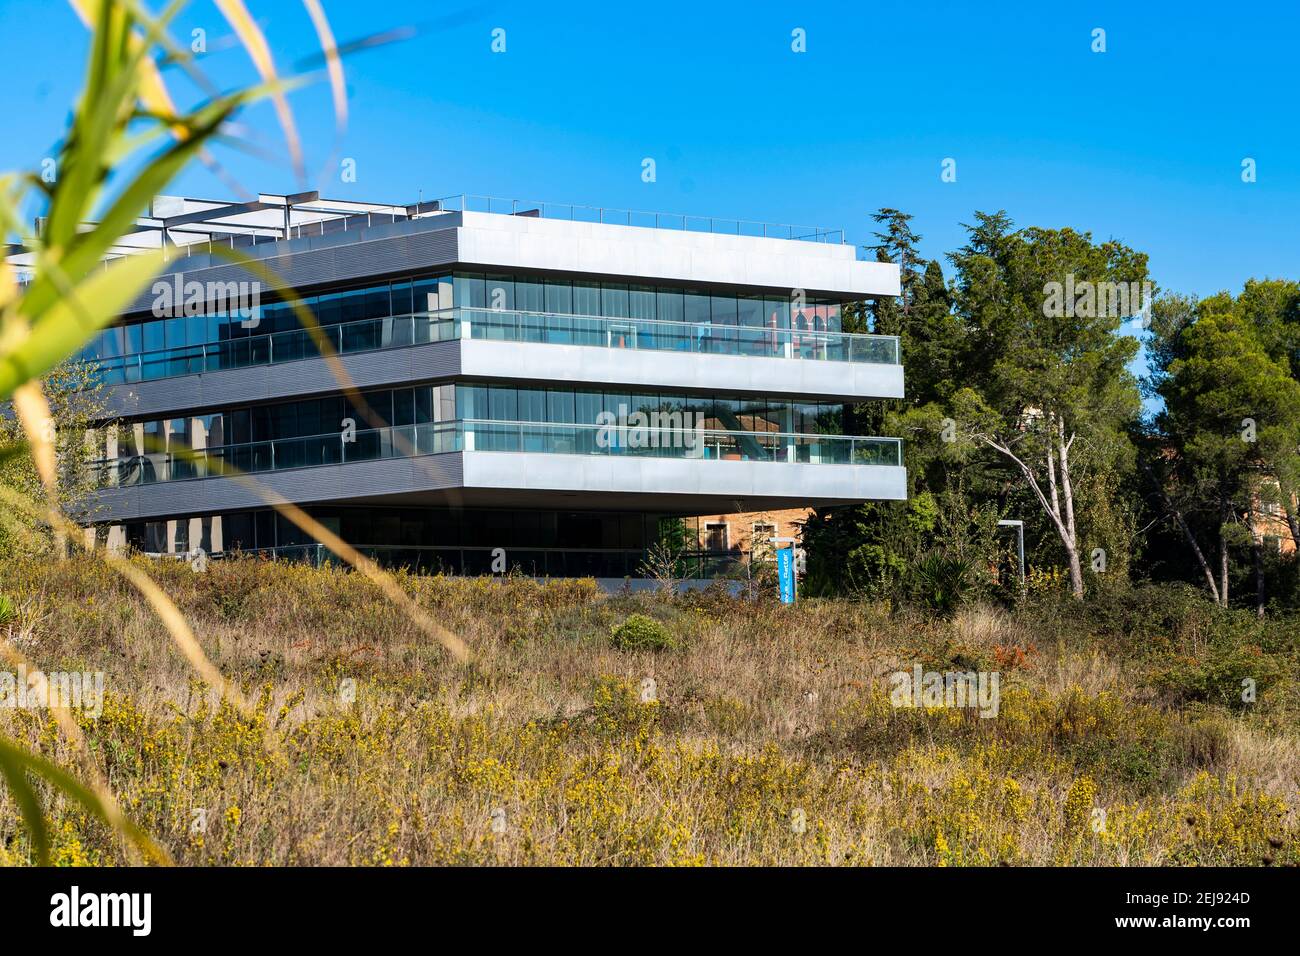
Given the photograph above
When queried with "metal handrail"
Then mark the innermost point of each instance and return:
(463, 202)
(453, 318)
(694, 332)
(464, 431)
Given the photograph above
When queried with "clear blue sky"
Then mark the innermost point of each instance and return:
(1143, 143)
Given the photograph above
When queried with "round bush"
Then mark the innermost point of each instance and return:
(639, 632)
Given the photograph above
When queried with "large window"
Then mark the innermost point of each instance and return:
(454, 540)
(586, 298)
(231, 338)
(423, 404)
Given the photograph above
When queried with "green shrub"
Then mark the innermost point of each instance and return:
(639, 632)
(7, 613)
(1219, 676)
(940, 582)
(1131, 615)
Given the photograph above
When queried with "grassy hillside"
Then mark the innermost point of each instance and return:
(768, 736)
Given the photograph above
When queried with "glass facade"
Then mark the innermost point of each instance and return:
(583, 406)
(645, 302)
(380, 315)
(437, 419)
(426, 404)
(235, 336)
(430, 539)
(631, 332)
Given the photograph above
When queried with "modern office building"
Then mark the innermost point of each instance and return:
(561, 383)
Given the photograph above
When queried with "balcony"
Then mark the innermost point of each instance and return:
(410, 441)
(494, 462)
(485, 343)
(422, 328)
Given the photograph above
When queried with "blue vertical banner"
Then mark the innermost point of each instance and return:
(785, 574)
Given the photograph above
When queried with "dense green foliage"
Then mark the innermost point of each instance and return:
(1022, 403)
(639, 632)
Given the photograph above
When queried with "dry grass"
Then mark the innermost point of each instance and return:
(764, 716)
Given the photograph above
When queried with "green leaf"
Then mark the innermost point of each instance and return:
(28, 804)
(73, 319)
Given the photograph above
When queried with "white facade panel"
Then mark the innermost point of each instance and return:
(810, 378)
(735, 479)
(525, 242)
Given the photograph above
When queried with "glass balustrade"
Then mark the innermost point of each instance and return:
(493, 436)
(500, 325)
(681, 222)
(655, 335)
(273, 348)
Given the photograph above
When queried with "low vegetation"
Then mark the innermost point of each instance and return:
(717, 730)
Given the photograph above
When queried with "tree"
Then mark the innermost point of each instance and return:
(1048, 385)
(873, 548)
(75, 398)
(898, 244)
(932, 339)
(1271, 307)
(1232, 425)
(929, 334)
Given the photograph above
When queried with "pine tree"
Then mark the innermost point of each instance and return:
(1232, 423)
